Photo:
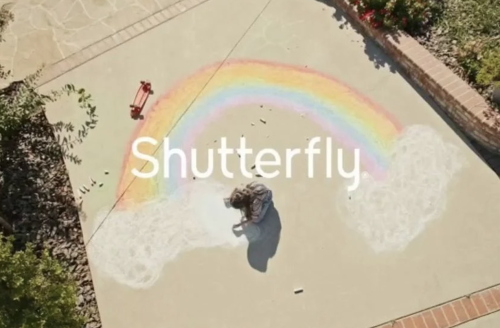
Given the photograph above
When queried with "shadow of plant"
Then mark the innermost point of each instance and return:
(35, 194)
(374, 53)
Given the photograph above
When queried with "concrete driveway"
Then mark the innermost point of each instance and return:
(420, 228)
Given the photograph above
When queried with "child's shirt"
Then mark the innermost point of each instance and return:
(261, 200)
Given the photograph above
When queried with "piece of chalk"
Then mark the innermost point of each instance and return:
(252, 123)
(298, 290)
(263, 120)
(101, 184)
(106, 172)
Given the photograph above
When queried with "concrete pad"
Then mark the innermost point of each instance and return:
(421, 231)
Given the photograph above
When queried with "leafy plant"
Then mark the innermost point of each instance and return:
(408, 15)
(474, 26)
(489, 71)
(35, 292)
(20, 101)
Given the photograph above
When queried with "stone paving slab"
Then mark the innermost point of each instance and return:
(47, 31)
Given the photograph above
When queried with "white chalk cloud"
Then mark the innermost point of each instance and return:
(132, 246)
(392, 212)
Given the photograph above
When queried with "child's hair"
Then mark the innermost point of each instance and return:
(241, 199)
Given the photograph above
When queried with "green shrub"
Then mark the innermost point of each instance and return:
(489, 71)
(35, 292)
(474, 26)
(408, 15)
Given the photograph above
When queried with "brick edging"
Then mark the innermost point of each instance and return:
(461, 102)
(79, 58)
(452, 313)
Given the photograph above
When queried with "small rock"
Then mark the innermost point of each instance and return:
(252, 123)
(101, 184)
(106, 172)
(263, 120)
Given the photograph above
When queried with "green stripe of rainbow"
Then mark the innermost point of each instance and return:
(353, 120)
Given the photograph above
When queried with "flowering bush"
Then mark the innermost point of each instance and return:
(408, 15)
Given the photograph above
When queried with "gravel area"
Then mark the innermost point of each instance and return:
(37, 199)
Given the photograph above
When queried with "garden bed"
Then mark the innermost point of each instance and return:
(37, 200)
(463, 34)
(467, 39)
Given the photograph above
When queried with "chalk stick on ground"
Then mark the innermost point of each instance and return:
(263, 120)
(298, 290)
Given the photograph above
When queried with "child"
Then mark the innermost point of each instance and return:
(253, 200)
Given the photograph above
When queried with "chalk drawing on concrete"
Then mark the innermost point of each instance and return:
(132, 246)
(392, 212)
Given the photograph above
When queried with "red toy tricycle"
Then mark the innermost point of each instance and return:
(140, 99)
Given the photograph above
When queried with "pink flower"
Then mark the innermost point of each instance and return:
(367, 14)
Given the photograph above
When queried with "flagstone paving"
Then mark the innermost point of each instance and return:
(47, 31)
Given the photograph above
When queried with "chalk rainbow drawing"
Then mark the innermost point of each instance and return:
(353, 120)
(409, 169)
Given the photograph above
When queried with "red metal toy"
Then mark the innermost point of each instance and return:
(140, 99)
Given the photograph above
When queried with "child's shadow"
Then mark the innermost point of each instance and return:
(263, 239)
